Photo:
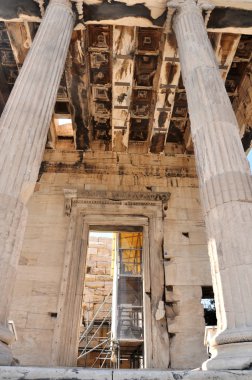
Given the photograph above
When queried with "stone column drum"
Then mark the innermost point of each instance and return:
(23, 130)
(225, 185)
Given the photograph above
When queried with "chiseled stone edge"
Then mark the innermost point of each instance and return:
(43, 373)
(126, 195)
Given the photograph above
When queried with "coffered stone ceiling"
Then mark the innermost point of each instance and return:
(122, 84)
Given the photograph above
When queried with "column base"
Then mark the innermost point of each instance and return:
(6, 357)
(6, 338)
(233, 356)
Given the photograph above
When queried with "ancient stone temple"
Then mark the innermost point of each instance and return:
(126, 194)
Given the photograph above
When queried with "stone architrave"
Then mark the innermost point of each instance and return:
(23, 130)
(225, 184)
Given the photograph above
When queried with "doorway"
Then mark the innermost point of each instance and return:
(112, 329)
(102, 211)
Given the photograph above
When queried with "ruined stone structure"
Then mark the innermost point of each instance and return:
(126, 115)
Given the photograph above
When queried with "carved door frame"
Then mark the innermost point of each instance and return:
(87, 209)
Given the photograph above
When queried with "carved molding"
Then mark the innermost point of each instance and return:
(126, 195)
(64, 3)
(205, 5)
(72, 197)
(70, 194)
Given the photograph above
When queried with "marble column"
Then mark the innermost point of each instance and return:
(225, 186)
(23, 131)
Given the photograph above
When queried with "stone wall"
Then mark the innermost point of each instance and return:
(38, 278)
(98, 278)
(185, 252)
(186, 271)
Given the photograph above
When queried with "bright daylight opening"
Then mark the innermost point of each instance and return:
(64, 127)
(64, 121)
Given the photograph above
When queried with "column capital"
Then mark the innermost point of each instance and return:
(63, 3)
(183, 5)
(66, 3)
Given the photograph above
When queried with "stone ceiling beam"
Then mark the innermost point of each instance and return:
(225, 49)
(77, 83)
(148, 59)
(243, 108)
(100, 61)
(124, 41)
(240, 4)
(4, 90)
(8, 66)
(166, 90)
(20, 40)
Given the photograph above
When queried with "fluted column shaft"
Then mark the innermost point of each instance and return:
(225, 186)
(23, 130)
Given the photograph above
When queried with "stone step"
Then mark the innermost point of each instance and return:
(42, 373)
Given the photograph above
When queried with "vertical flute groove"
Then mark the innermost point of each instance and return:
(23, 130)
(224, 176)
